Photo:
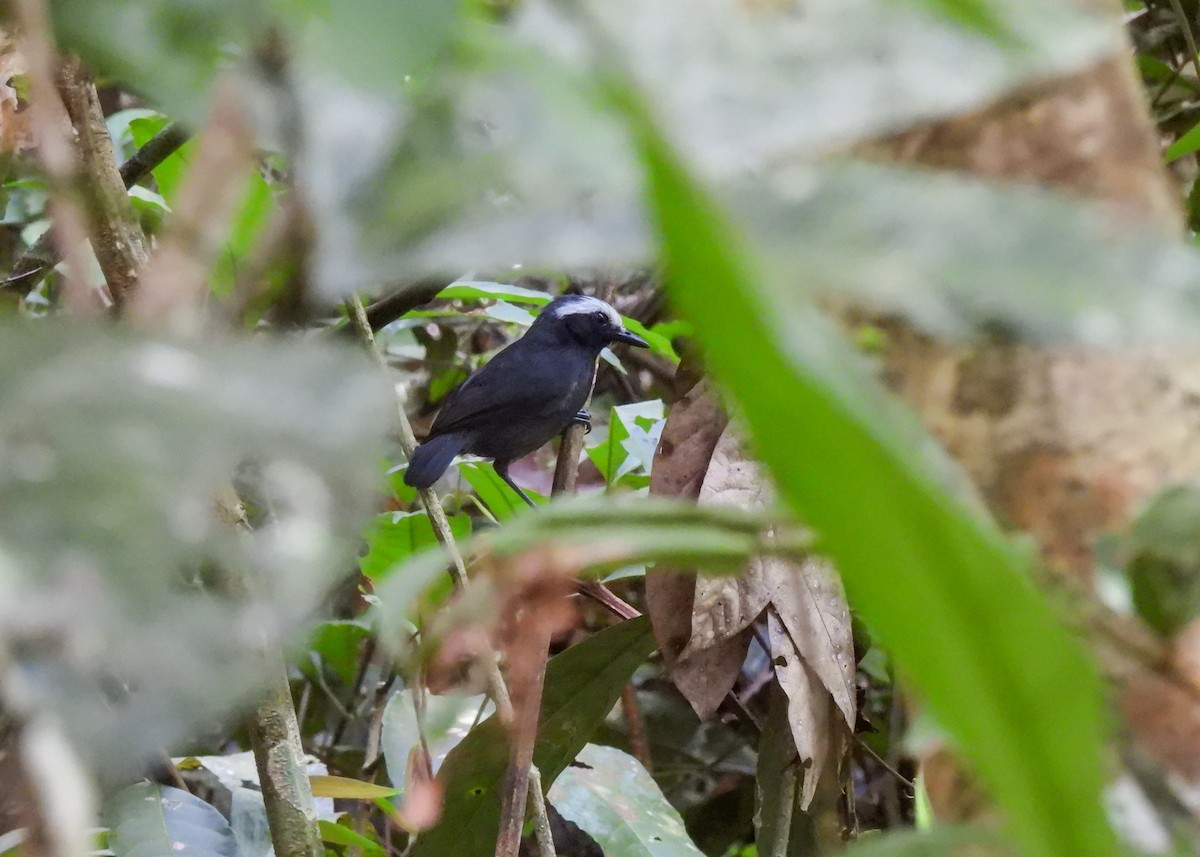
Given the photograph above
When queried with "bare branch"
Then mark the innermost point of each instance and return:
(113, 226)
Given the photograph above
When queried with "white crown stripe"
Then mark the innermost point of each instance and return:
(584, 304)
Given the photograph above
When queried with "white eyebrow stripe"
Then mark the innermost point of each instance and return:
(585, 304)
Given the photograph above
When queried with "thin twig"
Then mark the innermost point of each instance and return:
(391, 307)
(364, 663)
(433, 506)
(441, 529)
(883, 762)
(542, 834)
(518, 779)
(1188, 36)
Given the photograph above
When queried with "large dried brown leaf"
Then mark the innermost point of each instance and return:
(723, 606)
(812, 606)
(688, 439)
(809, 626)
(812, 713)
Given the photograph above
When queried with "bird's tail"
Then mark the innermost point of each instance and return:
(430, 460)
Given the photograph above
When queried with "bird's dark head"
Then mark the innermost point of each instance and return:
(587, 320)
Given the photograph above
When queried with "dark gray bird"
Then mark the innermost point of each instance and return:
(527, 394)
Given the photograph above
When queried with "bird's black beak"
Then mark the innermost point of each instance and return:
(630, 339)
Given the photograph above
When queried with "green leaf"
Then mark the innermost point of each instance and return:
(633, 432)
(250, 218)
(169, 174)
(582, 685)
(950, 596)
(393, 537)
(617, 801)
(340, 834)
(604, 534)
(978, 15)
(149, 820)
(502, 501)
(1185, 145)
(150, 207)
(509, 314)
(338, 643)
(486, 290)
(1164, 559)
(442, 383)
(324, 785)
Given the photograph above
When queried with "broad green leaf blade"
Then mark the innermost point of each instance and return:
(633, 432)
(325, 785)
(494, 492)
(1163, 547)
(605, 533)
(602, 535)
(249, 219)
(339, 834)
(950, 596)
(978, 15)
(338, 645)
(617, 801)
(149, 820)
(486, 290)
(168, 175)
(393, 537)
(582, 685)
(1185, 145)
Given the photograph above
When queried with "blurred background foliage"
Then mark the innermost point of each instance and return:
(704, 167)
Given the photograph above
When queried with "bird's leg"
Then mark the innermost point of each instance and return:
(501, 468)
(584, 419)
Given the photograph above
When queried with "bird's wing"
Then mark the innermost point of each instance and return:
(509, 387)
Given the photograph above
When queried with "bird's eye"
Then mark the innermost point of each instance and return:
(600, 315)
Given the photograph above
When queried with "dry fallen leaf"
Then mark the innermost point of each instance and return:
(812, 714)
(693, 428)
(808, 622)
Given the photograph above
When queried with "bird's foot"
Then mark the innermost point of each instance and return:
(585, 420)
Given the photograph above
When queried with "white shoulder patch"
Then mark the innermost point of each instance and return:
(585, 304)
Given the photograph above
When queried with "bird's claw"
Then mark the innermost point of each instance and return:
(585, 420)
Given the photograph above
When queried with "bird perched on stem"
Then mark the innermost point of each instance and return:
(527, 394)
